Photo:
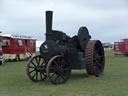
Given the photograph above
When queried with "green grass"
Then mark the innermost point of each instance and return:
(114, 82)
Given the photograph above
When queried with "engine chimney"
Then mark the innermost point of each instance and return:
(48, 24)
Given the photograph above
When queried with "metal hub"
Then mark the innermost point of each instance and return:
(40, 68)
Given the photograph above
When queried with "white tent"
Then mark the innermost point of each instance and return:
(38, 44)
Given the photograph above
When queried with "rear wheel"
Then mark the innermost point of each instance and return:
(95, 59)
(58, 70)
(36, 69)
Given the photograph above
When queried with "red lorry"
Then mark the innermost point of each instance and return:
(122, 46)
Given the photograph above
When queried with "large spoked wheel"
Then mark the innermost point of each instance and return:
(58, 70)
(36, 69)
(95, 59)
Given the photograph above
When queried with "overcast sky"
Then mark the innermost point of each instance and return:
(106, 20)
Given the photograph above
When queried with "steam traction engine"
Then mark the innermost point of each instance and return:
(59, 54)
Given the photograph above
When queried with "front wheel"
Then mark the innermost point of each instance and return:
(36, 69)
(58, 70)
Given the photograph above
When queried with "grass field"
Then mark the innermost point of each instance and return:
(114, 82)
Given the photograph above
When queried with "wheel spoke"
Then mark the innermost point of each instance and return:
(62, 63)
(98, 71)
(32, 71)
(42, 63)
(62, 76)
(41, 76)
(101, 56)
(33, 63)
(66, 69)
(53, 74)
(37, 61)
(59, 80)
(99, 50)
(31, 67)
(100, 65)
(36, 76)
(55, 63)
(56, 78)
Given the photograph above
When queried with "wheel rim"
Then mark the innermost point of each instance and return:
(36, 69)
(58, 70)
(99, 57)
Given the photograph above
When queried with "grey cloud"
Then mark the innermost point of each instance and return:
(105, 19)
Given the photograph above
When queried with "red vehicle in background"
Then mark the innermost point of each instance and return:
(122, 46)
(18, 47)
(1, 53)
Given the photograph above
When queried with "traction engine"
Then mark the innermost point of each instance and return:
(60, 53)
